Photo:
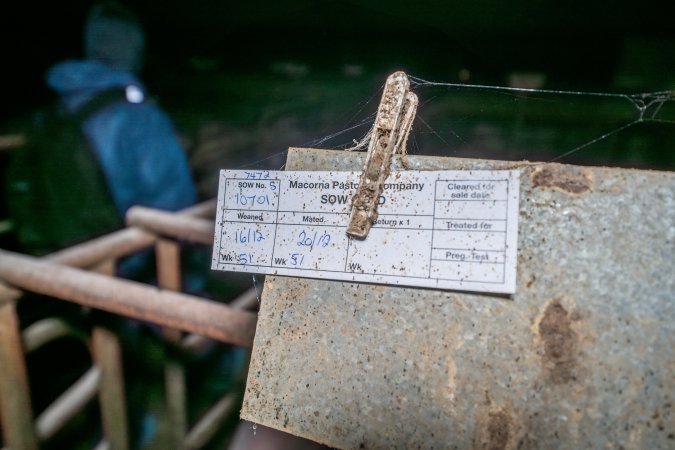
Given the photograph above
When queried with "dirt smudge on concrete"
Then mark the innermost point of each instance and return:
(570, 179)
(496, 430)
(560, 343)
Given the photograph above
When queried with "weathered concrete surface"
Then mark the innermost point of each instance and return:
(583, 356)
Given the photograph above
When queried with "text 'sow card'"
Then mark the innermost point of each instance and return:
(438, 229)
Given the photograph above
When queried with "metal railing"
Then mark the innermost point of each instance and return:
(84, 274)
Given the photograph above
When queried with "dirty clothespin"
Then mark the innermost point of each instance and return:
(389, 136)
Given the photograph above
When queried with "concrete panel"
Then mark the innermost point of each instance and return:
(582, 356)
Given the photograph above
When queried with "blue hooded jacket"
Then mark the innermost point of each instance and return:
(134, 141)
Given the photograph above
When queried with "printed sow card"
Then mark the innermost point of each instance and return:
(437, 229)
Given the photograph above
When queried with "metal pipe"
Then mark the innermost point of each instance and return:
(168, 265)
(103, 445)
(12, 141)
(204, 209)
(68, 404)
(209, 424)
(114, 245)
(8, 294)
(196, 343)
(129, 298)
(175, 225)
(45, 331)
(121, 243)
(247, 300)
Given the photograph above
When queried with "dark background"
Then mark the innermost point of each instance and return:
(243, 81)
(578, 44)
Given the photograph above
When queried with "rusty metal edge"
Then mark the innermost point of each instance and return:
(130, 299)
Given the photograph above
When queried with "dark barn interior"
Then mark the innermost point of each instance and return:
(243, 81)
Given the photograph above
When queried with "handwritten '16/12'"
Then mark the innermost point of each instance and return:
(248, 235)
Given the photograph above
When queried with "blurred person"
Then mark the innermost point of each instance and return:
(134, 139)
(62, 196)
(105, 148)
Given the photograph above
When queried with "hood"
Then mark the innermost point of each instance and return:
(77, 81)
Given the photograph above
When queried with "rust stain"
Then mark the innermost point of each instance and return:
(565, 178)
(496, 431)
(560, 343)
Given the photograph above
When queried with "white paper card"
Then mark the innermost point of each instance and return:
(439, 229)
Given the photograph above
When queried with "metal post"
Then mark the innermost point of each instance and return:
(107, 355)
(15, 407)
(168, 277)
(108, 358)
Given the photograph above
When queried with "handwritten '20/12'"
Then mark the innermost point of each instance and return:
(309, 240)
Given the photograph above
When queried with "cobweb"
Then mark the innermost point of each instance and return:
(511, 123)
(515, 124)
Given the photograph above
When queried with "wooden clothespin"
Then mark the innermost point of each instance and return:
(389, 136)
